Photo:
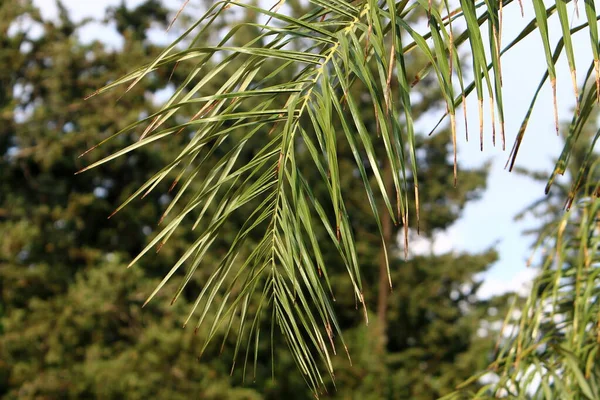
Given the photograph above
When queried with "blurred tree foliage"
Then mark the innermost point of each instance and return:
(71, 322)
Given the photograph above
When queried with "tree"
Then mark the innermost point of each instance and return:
(339, 40)
(71, 315)
(73, 319)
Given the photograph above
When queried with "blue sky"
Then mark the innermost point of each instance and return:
(488, 221)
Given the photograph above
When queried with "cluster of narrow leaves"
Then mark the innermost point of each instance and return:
(550, 347)
(291, 86)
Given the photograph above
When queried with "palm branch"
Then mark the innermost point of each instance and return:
(290, 85)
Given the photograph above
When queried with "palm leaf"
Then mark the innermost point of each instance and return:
(281, 92)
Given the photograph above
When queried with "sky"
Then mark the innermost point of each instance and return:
(488, 222)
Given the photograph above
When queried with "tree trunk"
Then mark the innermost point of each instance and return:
(384, 286)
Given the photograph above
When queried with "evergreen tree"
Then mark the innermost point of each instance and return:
(73, 326)
(338, 40)
(72, 312)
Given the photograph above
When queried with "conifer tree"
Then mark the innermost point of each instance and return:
(72, 311)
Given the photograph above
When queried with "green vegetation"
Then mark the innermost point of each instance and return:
(73, 326)
(554, 351)
(282, 172)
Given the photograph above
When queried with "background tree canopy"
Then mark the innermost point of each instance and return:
(284, 172)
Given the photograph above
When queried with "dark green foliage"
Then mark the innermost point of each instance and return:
(73, 323)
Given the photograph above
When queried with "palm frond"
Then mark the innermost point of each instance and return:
(279, 94)
(551, 347)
